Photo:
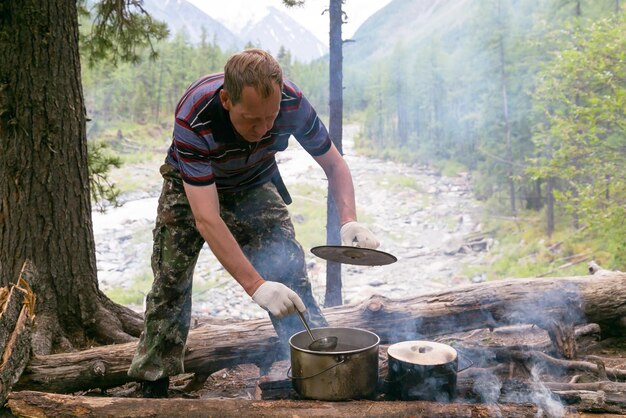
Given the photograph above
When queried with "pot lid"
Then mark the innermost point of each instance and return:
(353, 255)
(425, 353)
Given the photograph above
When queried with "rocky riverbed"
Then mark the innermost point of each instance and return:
(421, 217)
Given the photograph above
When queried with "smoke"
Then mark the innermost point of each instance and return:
(488, 387)
(548, 405)
(533, 391)
(563, 304)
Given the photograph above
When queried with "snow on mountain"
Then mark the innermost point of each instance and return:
(275, 29)
(181, 15)
(266, 27)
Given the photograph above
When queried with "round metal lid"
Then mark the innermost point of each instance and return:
(424, 353)
(353, 255)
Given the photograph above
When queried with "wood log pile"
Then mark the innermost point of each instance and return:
(535, 344)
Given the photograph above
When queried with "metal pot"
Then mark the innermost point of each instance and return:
(422, 370)
(350, 371)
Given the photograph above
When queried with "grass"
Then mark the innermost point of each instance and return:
(398, 182)
(450, 168)
(308, 213)
(134, 143)
(134, 293)
(524, 250)
(140, 148)
(200, 286)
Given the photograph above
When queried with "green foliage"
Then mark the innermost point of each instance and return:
(147, 91)
(522, 250)
(293, 3)
(140, 149)
(580, 137)
(519, 92)
(120, 28)
(100, 163)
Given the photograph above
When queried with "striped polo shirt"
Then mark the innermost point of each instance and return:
(206, 149)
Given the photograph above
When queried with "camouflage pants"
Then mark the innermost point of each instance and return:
(260, 222)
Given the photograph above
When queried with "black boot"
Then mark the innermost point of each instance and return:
(155, 389)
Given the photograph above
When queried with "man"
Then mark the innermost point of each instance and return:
(222, 185)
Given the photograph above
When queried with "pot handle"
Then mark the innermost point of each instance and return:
(290, 377)
(406, 373)
(471, 363)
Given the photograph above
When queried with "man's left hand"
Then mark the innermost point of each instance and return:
(355, 234)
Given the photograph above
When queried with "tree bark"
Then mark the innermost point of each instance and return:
(45, 208)
(589, 299)
(15, 334)
(333, 295)
(46, 404)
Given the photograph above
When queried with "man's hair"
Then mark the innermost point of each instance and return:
(252, 67)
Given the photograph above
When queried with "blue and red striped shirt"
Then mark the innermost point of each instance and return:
(206, 150)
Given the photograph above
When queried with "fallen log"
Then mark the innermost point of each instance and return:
(604, 386)
(488, 386)
(592, 401)
(568, 365)
(544, 302)
(48, 404)
(598, 397)
(586, 336)
(506, 354)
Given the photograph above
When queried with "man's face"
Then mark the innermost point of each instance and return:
(253, 116)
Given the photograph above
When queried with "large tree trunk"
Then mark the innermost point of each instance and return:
(45, 208)
(333, 296)
(543, 302)
(46, 404)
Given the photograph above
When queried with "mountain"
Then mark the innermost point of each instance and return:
(403, 22)
(276, 29)
(181, 15)
(269, 30)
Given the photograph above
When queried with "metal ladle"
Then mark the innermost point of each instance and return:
(321, 344)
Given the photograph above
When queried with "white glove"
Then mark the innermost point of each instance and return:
(278, 299)
(355, 234)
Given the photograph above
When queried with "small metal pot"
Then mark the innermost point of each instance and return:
(350, 371)
(422, 370)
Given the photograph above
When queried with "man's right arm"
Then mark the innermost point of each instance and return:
(273, 296)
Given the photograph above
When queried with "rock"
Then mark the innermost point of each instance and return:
(376, 283)
(479, 278)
